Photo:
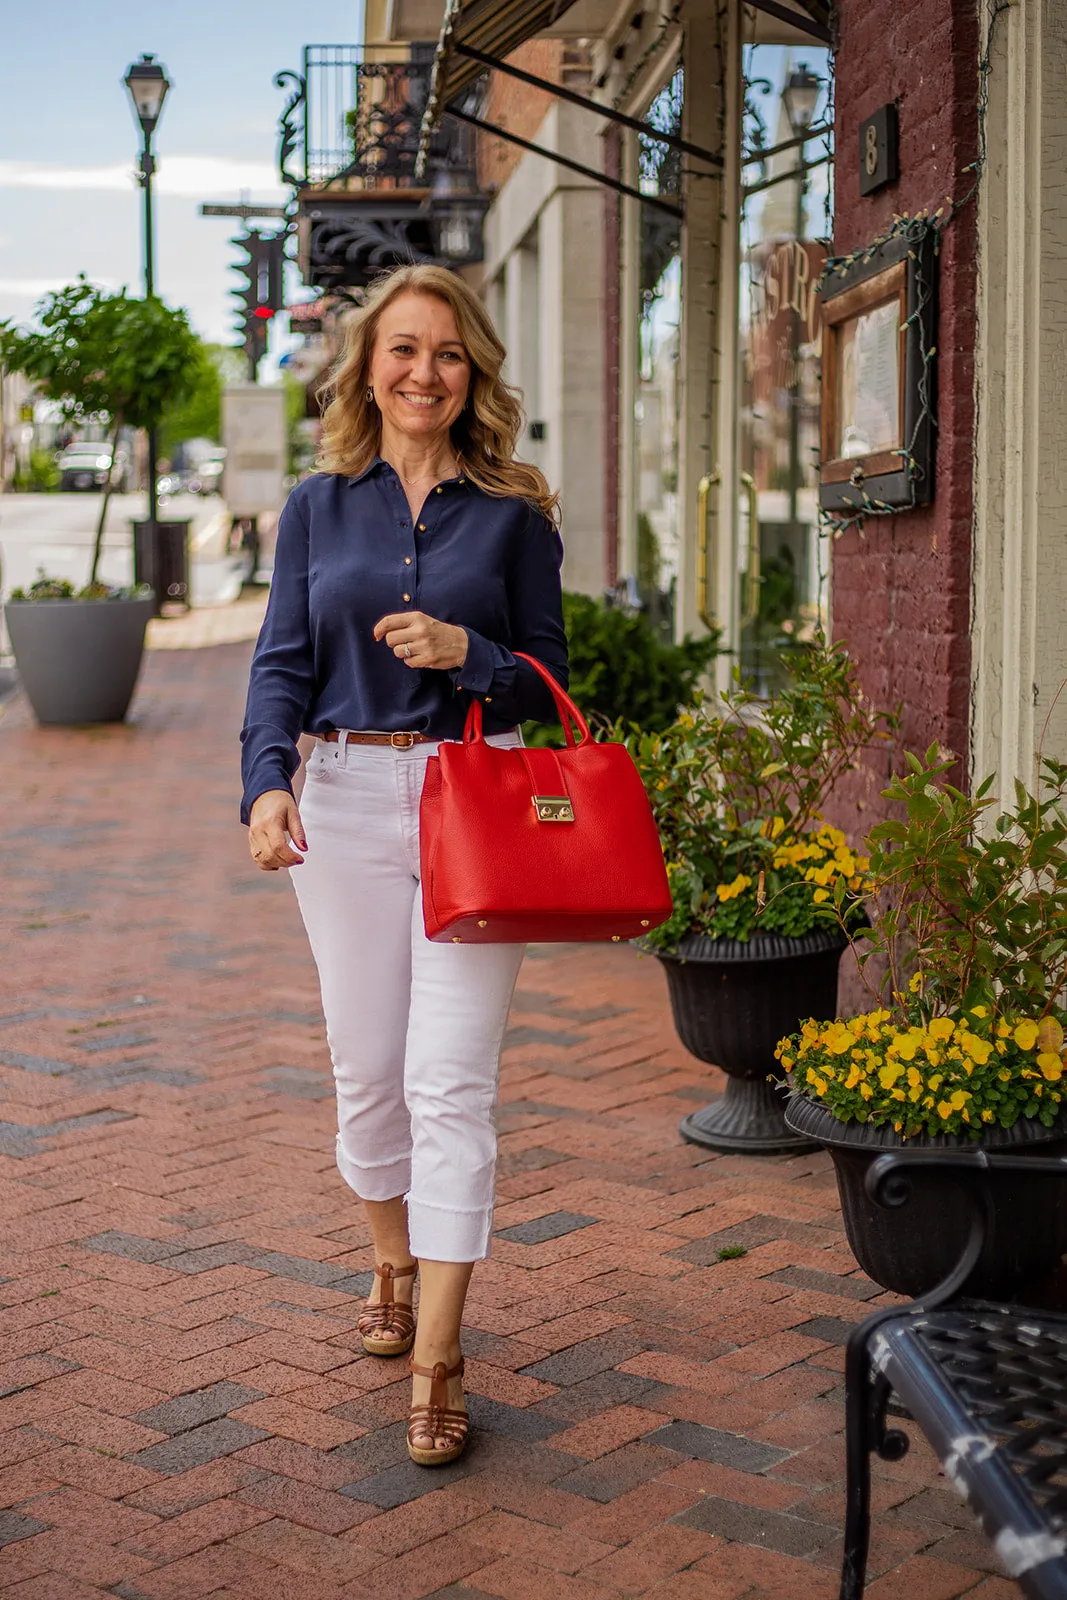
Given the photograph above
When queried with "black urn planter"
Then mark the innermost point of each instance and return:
(911, 1248)
(78, 659)
(732, 1002)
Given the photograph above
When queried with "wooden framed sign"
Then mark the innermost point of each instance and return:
(878, 317)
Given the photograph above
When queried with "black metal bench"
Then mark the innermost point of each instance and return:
(986, 1384)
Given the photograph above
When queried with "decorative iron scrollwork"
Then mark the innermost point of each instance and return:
(290, 128)
(351, 250)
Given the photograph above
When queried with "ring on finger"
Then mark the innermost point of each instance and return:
(407, 652)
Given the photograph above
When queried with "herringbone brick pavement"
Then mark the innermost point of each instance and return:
(185, 1407)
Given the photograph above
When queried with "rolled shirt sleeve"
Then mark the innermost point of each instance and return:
(491, 671)
(282, 678)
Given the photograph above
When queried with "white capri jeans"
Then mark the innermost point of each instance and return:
(414, 1027)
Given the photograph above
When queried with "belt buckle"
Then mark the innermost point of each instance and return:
(401, 741)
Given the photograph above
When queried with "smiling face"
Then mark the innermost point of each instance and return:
(420, 371)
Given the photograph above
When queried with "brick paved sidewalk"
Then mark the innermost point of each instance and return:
(186, 1410)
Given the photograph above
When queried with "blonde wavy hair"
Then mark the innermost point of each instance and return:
(485, 433)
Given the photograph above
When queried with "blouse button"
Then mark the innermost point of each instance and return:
(439, 488)
(407, 561)
(488, 699)
(422, 527)
(407, 597)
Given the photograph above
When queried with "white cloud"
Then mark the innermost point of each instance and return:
(30, 288)
(199, 177)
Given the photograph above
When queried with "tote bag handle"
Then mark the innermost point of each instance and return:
(568, 711)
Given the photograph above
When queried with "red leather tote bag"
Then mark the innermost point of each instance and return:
(538, 846)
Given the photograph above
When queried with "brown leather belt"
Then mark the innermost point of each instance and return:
(399, 741)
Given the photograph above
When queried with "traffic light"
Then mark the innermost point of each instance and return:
(262, 292)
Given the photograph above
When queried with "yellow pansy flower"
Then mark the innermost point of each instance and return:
(1049, 1034)
(940, 1028)
(730, 891)
(1025, 1035)
(1051, 1066)
(978, 1049)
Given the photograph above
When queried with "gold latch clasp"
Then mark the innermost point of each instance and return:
(553, 807)
(401, 741)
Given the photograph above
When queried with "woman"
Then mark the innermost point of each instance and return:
(407, 571)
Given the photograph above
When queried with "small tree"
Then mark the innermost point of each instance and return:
(105, 355)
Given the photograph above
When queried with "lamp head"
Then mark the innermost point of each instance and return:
(801, 96)
(457, 212)
(148, 85)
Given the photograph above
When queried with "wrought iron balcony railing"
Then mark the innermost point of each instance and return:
(349, 117)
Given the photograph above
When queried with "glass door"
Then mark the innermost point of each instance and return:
(657, 395)
(785, 229)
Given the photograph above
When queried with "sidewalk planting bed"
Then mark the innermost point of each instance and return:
(655, 1350)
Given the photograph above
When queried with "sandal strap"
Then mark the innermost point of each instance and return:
(438, 1370)
(379, 1318)
(387, 1312)
(387, 1272)
(434, 1417)
(452, 1426)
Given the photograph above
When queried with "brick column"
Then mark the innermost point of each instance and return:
(901, 587)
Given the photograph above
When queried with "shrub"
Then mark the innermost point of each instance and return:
(621, 669)
(738, 788)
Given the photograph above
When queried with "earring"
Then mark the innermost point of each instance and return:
(370, 396)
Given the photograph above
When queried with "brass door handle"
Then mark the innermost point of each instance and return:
(707, 556)
(750, 602)
(704, 554)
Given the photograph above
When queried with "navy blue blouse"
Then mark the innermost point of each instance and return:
(348, 554)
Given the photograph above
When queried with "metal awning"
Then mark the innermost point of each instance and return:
(477, 34)
(495, 27)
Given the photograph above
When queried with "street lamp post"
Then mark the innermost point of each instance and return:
(801, 96)
(147, 83)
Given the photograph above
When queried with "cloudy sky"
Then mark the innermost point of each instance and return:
(69, 144)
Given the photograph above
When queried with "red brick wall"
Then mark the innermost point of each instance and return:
(901, 588)
(517, 107)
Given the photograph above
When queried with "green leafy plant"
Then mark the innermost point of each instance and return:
(738, 791)
(979, 912)
(40, 477)
(105, 355)
(967, 955)
(620, 668)
(45, 588)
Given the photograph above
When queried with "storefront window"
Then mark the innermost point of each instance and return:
(784, 232)
(656, 404)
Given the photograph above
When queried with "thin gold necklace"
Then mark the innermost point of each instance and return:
(426, 476)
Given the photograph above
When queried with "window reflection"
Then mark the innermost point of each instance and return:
(785, 226)
(657, 399)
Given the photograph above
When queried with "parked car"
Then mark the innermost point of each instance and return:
(206, 477)
(84, 464)
(199, 463)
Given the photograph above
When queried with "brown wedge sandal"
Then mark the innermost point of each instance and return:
(435, 1418)
(388, 1315)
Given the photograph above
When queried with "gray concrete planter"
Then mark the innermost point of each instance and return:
(78, 659)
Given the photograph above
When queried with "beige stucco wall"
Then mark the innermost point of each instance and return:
(544, 270)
